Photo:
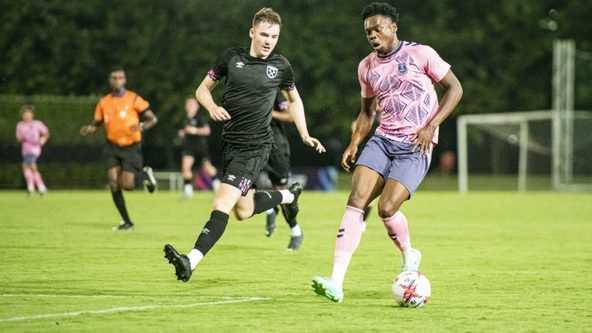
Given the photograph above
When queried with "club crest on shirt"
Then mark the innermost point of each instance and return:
(272, 72)
(402, 68)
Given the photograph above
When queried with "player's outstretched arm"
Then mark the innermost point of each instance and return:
(361, 128)
(452, 95)
(205, 98)
(90, 129)
(296, 108)
(201, 131)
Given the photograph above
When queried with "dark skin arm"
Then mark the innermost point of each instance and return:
(362, 128)
(453, 92)
(149, 121)
(90, 129)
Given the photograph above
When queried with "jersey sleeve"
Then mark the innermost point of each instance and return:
(99, 116)
(287, 82)
(140, 104)
(220, 67)
(434, 66)
(42, 128)
(366, 88)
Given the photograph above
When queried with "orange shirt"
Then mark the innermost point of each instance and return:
(118, 114)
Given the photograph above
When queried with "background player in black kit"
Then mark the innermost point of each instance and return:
(253, 77)
(278, 169)
(195, 147)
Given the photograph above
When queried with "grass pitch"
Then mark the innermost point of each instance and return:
(496, 261)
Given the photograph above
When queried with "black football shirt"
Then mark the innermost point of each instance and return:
(250, 92)
(280, 104)
(193, 140)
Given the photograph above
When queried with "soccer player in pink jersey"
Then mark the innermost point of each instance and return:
(32, 134)
(399, 76)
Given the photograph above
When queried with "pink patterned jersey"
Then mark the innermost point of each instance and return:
(29, 133)
(403, 84)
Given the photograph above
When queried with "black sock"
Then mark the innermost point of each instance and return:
(265, 200)
(367, 212)
(120, 204)
(211, 232)
(292, 223)
(186, 181)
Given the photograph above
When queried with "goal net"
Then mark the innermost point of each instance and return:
(535, 150)
(515, 151)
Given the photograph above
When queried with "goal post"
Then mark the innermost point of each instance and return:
(519, 119)
(560, 138)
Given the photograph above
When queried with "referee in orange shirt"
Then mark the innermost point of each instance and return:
(120, 113)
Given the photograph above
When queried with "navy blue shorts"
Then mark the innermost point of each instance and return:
(395, 160)
(30, 159)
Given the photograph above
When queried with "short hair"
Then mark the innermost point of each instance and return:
(116, 69)
(380, 8)
(267, 15)
(27, 107)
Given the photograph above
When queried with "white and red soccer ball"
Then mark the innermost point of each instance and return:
(411, 289)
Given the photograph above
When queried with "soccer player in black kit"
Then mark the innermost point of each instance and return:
(195, 147)
(253, 76)
(278, 169)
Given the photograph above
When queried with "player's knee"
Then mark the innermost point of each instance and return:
(187, 174)
(388, 208)
(242, 214)
(114, 185)
(128, 186)
(357, 199)
(222, 206)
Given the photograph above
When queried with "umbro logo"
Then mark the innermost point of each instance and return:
(231, 177)
(240, 64)
(205, 231)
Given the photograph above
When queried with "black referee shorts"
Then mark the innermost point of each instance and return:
(129, 158)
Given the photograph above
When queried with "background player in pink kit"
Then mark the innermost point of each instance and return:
(400, 77)
(32, 134)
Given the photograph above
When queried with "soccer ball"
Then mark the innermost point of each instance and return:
(411, 289)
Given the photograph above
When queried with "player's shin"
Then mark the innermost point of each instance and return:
(398, 230)
(30, 178)
(120, 204)
(39, 182)
(210, 234)
(265, 200)
(348, 239)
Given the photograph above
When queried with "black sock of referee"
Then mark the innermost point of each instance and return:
(265, 200)
(120, 204)
(186, 181)
(211, 232)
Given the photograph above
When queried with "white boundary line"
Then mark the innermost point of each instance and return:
(228, 300)
(114, 296)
